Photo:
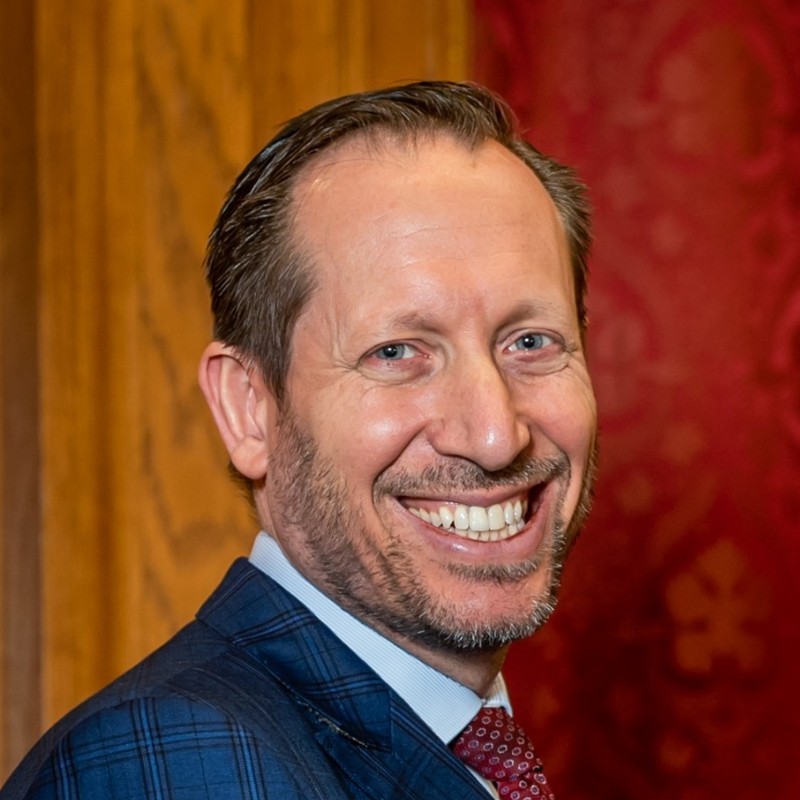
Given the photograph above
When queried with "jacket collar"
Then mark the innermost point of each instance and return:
(352, 703)
(259, 617)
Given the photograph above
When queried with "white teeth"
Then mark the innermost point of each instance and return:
(446, 515)
(496, 517)
(478, 518)
(492, 524)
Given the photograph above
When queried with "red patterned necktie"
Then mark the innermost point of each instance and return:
(497, 748)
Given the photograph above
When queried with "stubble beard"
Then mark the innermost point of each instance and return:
(380, 586)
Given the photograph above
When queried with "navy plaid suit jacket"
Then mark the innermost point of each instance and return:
(254, 699)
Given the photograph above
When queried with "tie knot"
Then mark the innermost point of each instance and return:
(498, 749)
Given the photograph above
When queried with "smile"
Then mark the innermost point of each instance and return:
(479, 523)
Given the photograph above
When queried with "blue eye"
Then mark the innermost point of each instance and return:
(532, 341)
(394, 352)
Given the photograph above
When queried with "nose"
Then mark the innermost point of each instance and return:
(479, 418)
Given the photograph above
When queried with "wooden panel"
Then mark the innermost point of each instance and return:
(307, 51)
(196, 135)
(145, 111)
(410, 41)
(78, 362)
(143, 126)
(19, 453)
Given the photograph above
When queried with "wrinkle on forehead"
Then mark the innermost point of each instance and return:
(361, 212)
(423, 320)
(351, 172)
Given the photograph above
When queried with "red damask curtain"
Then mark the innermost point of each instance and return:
(672, 668)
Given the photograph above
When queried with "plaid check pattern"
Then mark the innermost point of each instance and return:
(254, 699)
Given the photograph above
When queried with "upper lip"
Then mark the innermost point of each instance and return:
(475, 498)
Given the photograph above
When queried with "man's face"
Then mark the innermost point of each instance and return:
(431, 465)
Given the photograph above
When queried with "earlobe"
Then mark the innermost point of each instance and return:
(240, 404)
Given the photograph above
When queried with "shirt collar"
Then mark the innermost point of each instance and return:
(443, 704)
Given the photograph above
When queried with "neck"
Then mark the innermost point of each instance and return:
(475, 670)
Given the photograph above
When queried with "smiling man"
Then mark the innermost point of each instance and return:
(398, 287)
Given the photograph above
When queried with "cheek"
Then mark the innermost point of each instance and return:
(369, 432)
(567, 414)
(392, 422)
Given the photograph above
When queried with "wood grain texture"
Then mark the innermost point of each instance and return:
(78, 611)
(307, 51)
(195, 127)
(140, 116)
(19, 452)
(140, 518)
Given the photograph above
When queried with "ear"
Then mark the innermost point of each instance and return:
(242, 406)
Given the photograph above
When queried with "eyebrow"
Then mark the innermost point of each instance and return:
(412, 319)
(535, 309)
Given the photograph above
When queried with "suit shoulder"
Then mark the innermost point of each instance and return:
(169, 746)
(196, 712)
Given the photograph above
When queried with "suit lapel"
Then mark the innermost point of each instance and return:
(417, 766)
(376, 739)
(286, 639)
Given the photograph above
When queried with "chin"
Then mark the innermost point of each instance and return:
(487, 635)
(494, 607)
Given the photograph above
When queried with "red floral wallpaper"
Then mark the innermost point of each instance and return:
(672, 667)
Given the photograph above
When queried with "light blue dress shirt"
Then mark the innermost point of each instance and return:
(443, 704)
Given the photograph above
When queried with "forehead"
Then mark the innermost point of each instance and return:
(398, 214)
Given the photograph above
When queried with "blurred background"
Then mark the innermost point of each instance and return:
(670, 669)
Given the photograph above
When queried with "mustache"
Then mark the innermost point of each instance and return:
(458, 474)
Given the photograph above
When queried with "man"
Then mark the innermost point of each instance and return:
(398, 289)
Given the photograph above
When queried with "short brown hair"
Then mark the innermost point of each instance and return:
(260, 282)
